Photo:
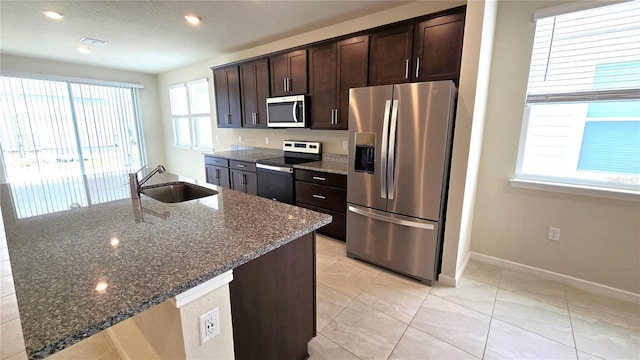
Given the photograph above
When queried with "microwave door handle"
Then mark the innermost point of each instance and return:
(385, 140)
(294, 111)
(391, 178)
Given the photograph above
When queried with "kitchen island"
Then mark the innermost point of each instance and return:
(81, 271)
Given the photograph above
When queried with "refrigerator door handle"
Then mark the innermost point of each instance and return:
(391, 169)
(384, 158)
(402, 222)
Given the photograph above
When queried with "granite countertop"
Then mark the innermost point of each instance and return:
(248, 154)
(80, 271)
(331, 163)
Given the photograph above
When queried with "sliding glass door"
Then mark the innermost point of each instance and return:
(68, 143)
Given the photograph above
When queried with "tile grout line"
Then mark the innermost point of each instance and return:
(410, 321)
(433, 336)
(344, 308)
(573, 333)
(493, 309)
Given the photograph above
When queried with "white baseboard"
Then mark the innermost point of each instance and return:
(116, 344)
(448, 280)
(565, 279)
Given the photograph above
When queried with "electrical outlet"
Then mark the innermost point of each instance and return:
(209, 325)
(345, 144)
(217, 138)
(266, 140)
(554, 234)
(240, 139)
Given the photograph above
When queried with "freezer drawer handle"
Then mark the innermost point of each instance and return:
(319, 196)
(391, 220)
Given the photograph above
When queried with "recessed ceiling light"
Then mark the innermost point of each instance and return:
(52, 14)
(84, 50)
(192, 19)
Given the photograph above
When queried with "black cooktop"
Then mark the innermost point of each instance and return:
(285, 161)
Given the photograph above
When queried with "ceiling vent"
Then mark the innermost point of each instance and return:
(93, 42)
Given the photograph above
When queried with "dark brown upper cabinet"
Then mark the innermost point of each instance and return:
(334, 69)
(289, 73)
(226, 84)
(254, 86)
(390, 56)
(426, 51)
(437, 48)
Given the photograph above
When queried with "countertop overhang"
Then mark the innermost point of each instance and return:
(80, 271)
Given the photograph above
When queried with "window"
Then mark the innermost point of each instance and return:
(582, 118)
(68, 143)
(191, 114)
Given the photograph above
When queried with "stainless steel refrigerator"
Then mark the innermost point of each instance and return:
(399, 149)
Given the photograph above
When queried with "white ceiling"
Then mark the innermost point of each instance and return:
(153, 37)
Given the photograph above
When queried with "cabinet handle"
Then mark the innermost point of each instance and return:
(217, 174)
(253, 118)
(288, 84)
(257, 119)
(332, 116)
(240, 165)
(319, 178)
(285, 84)
(336, 123)
(244, 182)
(417, 67)
(319, 196)
(228, 118)
(406, 69)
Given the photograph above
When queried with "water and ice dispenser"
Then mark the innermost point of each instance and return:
(365, 151)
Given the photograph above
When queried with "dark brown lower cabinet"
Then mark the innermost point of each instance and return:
(325, 193)
(273, 303)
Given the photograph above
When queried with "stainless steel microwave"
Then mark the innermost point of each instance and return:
(287, 112)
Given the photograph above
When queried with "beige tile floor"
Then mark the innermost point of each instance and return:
(368, 313)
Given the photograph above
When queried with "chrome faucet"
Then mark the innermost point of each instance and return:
(135, 184)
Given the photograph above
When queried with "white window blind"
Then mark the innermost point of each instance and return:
(67, 143)
(582, 117)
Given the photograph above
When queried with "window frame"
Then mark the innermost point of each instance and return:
(193, 117)
(629, 190)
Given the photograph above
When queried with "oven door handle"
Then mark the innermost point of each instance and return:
(283, 169)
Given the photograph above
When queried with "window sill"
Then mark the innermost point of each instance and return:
(575, 189)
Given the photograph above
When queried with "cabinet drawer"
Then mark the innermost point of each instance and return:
(327, 197)
(242, 165)
(210, 160)
(337, 229)
(322, 178)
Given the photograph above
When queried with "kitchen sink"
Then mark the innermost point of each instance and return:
(175, 192)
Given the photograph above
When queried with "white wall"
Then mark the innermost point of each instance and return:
(190, 162)
(150, 112)
(465, 162)
(600, 238)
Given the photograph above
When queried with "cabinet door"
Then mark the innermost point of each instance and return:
(227, 87)
(437, 48)
(254, 86)
(353, 63)
(217, 175)
(289, 73)
(279, 66)
(298, 72)
(244, 181)
(323, 87)
(390, 56)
